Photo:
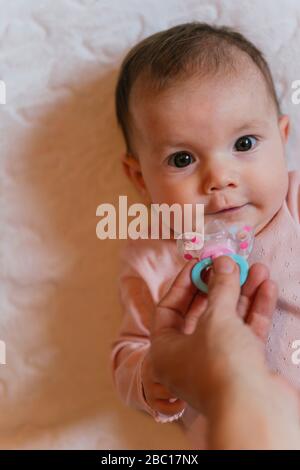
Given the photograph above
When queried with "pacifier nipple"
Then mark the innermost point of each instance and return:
(189, 244)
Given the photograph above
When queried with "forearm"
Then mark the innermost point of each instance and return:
(253, 415)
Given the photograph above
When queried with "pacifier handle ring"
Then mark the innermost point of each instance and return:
(198, 268)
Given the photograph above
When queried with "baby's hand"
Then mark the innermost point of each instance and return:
(156, 395)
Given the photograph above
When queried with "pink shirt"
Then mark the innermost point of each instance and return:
(149, 267)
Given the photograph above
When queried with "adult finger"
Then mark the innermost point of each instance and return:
(257, 274)
(262, 309)
(171, 310)
(223, 287)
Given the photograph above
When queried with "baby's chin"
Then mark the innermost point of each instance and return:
(228, 218)
(248, 214)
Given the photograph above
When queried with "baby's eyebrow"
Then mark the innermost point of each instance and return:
(254, 124)
(250, 124)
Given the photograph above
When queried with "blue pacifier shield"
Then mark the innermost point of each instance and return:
(201, 265)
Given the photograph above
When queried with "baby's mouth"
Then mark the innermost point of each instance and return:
(230, 210)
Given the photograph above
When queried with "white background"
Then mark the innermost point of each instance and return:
(59, 160)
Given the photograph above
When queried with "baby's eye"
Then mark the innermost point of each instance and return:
(180, 159)
(244, 143)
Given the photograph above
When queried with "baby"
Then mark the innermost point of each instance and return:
(202, 124)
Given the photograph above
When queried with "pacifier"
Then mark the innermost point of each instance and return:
(219, 239)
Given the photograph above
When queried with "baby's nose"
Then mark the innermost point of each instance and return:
(218, 177)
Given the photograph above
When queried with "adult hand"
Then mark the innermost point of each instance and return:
(209, 351)
(221, 338)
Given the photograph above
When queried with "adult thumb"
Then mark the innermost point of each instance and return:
(223, 286)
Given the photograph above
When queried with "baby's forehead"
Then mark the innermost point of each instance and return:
(243, 89)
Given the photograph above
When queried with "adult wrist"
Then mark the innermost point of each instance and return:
(240, 416)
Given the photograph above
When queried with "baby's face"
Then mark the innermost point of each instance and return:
(215, 141)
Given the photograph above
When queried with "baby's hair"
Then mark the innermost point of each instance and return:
(181, 51)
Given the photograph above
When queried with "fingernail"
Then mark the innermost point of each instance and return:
(223, 265)
(172, 400)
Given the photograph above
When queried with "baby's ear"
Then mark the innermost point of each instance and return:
(132, 169)
(284, 126)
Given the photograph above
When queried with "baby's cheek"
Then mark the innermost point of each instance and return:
(261, 190)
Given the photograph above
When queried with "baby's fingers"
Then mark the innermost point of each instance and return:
(167, 408)
(161, 392)
(165, 402)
